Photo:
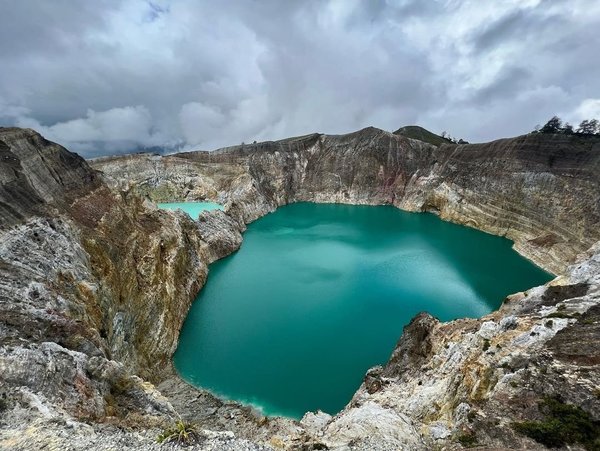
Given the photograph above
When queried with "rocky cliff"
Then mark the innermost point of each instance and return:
(95, 283)
(94, 287)
(541, 191)
(468, 382)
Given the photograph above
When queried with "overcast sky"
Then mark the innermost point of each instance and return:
(110, 76)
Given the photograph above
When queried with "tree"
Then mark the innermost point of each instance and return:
(554, 125)
(584, 127)
(567, 129)
(589, 127)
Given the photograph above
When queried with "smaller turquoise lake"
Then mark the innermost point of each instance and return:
(319, 293)
(191, 208)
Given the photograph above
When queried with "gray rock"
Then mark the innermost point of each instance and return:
(508, 323)
(95, 284)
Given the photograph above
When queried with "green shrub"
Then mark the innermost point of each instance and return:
(562, 314)
(486, 344)
(181, 433)
(565, 424)
(467, 439)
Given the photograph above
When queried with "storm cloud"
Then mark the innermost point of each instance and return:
(113, 76)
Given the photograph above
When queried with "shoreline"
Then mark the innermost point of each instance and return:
(256, 409)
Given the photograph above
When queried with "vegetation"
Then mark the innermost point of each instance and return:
(562, 314)
(565, 424)
(416, 132)
(453, 140)
(486, 344)
(180, 433)
(467, 440)
(3, 403)
(556, 125)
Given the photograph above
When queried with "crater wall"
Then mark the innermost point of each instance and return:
(95, 283)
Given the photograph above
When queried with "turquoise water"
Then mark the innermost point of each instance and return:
(319, 293)
(191, 208)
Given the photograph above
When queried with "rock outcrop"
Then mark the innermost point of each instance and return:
(94, 288)
(95, 283)
(541, 191)
(471, 380)
(35, 174)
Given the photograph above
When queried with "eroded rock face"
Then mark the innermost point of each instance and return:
(541, 191)
(474, 378)
(94, 287)
(35, 173)
(150, 265)
(95, 283)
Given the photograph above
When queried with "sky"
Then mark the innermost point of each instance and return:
(114, 76)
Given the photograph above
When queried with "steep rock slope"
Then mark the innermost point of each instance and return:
(124, 247)
(95, 283)
(469, 381)
(541, 191)
(421, 134)
(35, 173)
(94, 287)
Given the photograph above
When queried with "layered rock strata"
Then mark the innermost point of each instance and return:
(96, 282)
(471, 380)
(541, 191)
(94, 287)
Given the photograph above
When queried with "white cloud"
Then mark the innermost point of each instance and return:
(12, 112)
(131, 125)
(588, 109)
(124, 74)
(198, 121)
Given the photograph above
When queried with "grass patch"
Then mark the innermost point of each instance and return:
(180, 433)
(563, 314)
(467, 439)
(486, 344)
(416, 132)
(565, 424)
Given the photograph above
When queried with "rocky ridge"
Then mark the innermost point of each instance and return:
(541, 191)
(96, 283)
(94, 287)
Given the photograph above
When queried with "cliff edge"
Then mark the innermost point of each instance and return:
(95, 283)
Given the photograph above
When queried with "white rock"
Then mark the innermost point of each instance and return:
(439, 431)
(488, 329)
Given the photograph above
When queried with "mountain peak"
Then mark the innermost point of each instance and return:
(422, 134)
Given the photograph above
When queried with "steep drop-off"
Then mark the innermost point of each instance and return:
(541, 191)
(95, 283)
(94, 288)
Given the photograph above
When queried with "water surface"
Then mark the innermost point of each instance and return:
(191, 208)
(319, 293)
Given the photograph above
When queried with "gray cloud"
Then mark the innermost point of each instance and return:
(519, 24)
(122, 75)
(509, 81)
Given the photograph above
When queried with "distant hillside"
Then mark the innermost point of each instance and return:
(416, 132)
